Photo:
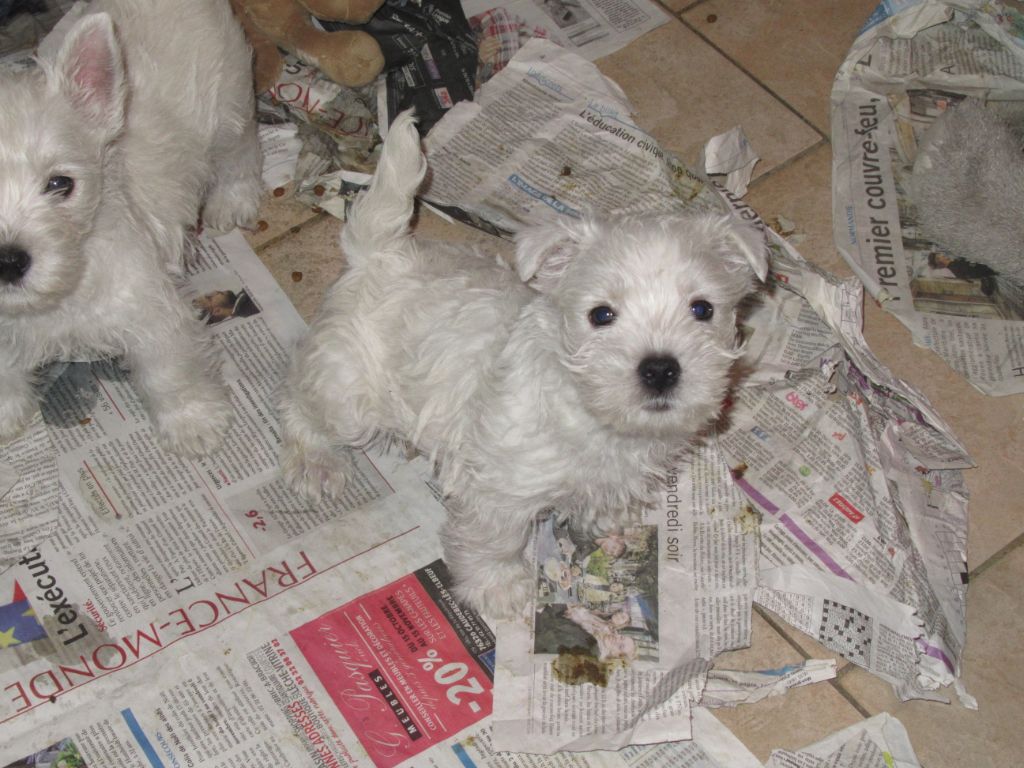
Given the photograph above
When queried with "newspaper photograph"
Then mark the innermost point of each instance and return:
(606, 586)
(913, 61)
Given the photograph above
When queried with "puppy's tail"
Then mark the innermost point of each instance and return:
(380, 217)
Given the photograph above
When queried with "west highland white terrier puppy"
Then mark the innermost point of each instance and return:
(568, 382)
(108, 150)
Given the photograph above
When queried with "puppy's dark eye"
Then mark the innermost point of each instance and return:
(60, 185)
(601, 316)
(702, 310)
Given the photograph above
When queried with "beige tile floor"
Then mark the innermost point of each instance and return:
(767, 65)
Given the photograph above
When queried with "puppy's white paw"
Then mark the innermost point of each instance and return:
(16, 411)
(313, 473)
(232, 204)
(502, 591)
(195, 430)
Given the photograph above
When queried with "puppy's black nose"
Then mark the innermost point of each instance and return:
(14, 263)
(659, 373)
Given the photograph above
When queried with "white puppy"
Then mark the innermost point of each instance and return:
(570, 391)
(107, 153)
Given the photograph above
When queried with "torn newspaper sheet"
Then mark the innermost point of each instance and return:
(590, 28)
(878, 741)
(550, 136)
(846, 476)
(913, 59)
(729, 154)
(731, 687)
(343, 119)
(8, 477)
(280, 146)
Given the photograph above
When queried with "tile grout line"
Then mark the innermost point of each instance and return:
(754, 78)
(995, 559)
(835, 682)
(754, 182)
(779, 629)
(689, 7)
(838, 687)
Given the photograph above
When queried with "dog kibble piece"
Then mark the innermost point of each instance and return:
(279, 192)
(712, 18)
(262, 226)
(296, 277)
(319, 190)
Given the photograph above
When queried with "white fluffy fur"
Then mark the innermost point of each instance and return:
(148, 107)
(523, 403)
(969, 163)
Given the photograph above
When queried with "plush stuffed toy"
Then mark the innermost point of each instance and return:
(349, 57)
(967, 186)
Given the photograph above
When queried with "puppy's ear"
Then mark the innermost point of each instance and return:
(90, 73)
(748, 243)
(543, 252)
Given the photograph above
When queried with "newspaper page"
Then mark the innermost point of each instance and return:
(337, 125)
(591, 28)
(858, 483)
(847, 477)
(913, 59)
(550, 136)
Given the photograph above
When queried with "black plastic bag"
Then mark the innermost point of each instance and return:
(430, 56)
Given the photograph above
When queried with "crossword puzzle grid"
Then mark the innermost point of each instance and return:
(846, 631)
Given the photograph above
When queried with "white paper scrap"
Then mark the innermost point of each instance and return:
(729, 687)
(730, 154)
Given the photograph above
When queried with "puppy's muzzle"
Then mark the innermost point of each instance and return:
(14, 263)
(659, 373)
